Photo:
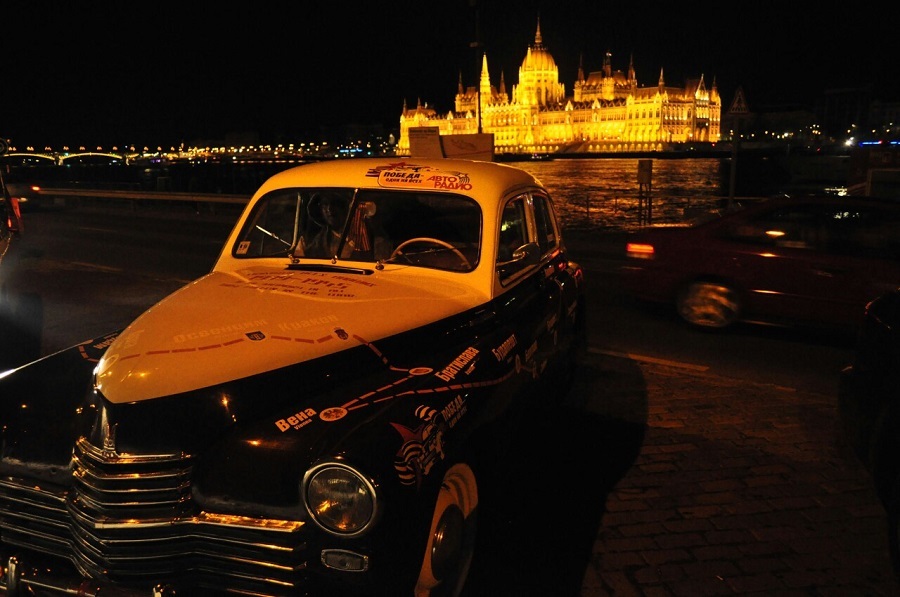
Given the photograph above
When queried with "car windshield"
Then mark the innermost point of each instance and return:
(433, 230)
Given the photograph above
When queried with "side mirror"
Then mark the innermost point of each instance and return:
(528, 254)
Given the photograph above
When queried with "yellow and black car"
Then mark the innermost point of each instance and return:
(319, 413)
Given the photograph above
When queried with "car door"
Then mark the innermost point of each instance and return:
(531, 300)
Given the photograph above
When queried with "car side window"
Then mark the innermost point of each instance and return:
(513, 229)
(860, 231)
(512, 236)
(869, 233)
(793, 227)
(545, 224)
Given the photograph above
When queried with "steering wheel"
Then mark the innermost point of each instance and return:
(431, 241)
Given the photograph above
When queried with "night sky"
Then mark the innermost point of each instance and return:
(164, 73)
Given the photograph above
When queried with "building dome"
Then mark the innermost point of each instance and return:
(538, 58)
(538, 77)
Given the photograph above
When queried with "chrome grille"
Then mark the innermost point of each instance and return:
(110, 487)
(130, 519)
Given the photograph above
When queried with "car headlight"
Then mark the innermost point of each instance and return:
(339, 498)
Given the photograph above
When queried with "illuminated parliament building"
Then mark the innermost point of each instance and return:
(607, 111)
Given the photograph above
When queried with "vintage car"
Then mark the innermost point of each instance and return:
(317, 415)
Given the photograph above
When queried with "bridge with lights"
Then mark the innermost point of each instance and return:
(60, 159)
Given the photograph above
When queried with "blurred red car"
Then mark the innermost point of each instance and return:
(785, 261)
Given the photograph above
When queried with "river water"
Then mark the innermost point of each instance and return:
(605, 193)
(591, 194)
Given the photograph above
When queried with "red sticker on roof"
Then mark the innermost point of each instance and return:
(404, 175)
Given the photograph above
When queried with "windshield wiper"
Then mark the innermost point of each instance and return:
(273, 235)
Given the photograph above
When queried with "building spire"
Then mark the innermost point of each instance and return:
(701, 92)
(538, 40)
(484, 91)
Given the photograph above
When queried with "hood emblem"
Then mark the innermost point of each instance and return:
(108, 439)
(256, 336)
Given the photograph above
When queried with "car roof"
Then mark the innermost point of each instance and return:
(488, 182)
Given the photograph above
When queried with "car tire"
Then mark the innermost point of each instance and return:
(709, 305)
(451, 537)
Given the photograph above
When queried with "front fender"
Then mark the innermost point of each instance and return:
(42, 410)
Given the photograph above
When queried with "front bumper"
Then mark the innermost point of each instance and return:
(18, 579)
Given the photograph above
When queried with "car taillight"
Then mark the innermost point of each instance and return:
(639, 250)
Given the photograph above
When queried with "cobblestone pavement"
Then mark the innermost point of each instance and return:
(736, 488)
(730, 487)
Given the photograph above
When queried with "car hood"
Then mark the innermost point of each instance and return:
(231, 325)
